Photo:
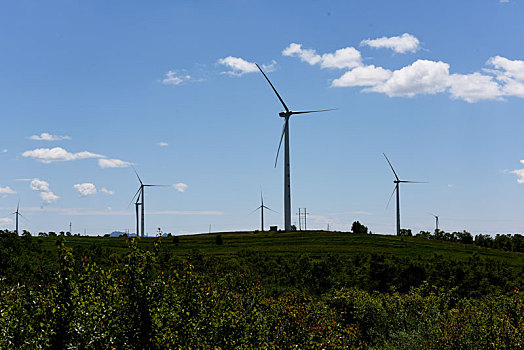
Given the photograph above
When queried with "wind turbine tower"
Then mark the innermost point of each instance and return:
(436, 222)
(262, 207)
(397, 182)
(141, 195)
(17, 213)
(137, 205)
(285, 135)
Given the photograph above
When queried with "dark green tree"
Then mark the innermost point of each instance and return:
(357, 227)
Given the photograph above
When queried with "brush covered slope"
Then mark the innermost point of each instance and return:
(251, 290)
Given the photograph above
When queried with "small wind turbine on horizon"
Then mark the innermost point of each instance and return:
(17, 213)
(262, 207)
(140, 195)
(285, 135)
(436, 221)
(397, 181)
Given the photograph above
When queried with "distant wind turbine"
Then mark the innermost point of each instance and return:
(436, 221)
(17, 213)
(397, 181)
(262, 207)
(285, 135)
(140, 194)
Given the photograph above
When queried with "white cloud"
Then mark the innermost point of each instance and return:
(163, 144)
(105, 190)
(240, 66)
(348, 57)
(513, 88)
(503, 1)
(270, 67)
(180, 187)
(6, 190)
(45, 193)
(474, 87)
(48, 137)
(4, 150)
(39, 185)
(400, 44)
(175, 78)
(504, 77)
(363, 76)
(508, 68)
(510, 72)
(307, 55)
(58, 154)
(520, 174)
(421, 77)
(85, 189)
(6, 221)
(48, 197)
(113, 163)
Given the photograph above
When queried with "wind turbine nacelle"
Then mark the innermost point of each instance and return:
(283, 114)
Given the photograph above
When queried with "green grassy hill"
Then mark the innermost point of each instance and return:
(316, 244)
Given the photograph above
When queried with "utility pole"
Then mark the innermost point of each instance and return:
(299, 220)
(305, 219)
(70, 227)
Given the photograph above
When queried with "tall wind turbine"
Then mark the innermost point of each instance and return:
(285, 135)
(397, 181)
(262, 207)
(140, 194)
(17, 213)
(137, 204)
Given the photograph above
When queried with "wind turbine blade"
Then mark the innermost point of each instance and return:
(139, 179)
(261, 198)
(135, 196)
(254, 210)
(320, 110)
(392, 193)
(156, 185)
(26, 219)
(271, 209)
(414, 182)
(275, 90)
(281, 137)
(391, 166)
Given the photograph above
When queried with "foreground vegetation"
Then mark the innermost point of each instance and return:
(325, 290)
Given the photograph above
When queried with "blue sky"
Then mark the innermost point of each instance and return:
(90, 88)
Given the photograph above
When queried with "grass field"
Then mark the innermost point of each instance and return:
(314, 243)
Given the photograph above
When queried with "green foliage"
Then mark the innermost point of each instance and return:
(405, 232)
(357, 227)
(95, 296)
